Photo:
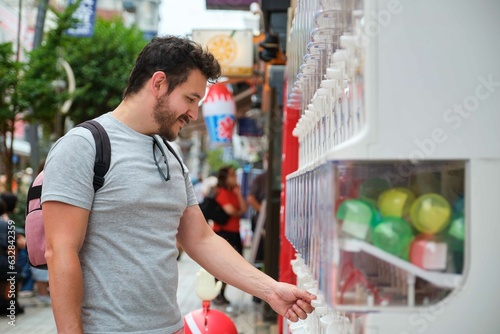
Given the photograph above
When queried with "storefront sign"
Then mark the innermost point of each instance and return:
(232, 48)
(86, 17)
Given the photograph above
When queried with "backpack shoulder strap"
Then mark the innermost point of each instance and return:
(103, 151)
(34, 192)
(171, 149)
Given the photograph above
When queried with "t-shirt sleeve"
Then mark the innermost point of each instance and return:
(191, 195)
(69, 170)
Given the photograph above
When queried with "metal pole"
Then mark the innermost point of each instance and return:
(32, 130)
(40, 23)
(272, 239)
(19, 21)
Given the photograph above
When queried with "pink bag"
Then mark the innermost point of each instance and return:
(35, 231)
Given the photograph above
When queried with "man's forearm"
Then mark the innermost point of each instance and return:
(230, 267)
(66, 290)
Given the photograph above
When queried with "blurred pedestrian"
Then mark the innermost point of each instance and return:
(12, 240)
(41, 279)
(255, 198)
(256, 195)
(232, 202)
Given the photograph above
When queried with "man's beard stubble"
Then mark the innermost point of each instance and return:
(165, 117)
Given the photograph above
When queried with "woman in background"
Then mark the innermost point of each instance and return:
(230, 198)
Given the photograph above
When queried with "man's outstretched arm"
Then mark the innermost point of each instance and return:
(220, 259)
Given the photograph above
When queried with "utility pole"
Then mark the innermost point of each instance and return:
(40, 22)
(32, 131)
(19, 19)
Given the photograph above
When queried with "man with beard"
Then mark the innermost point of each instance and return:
(112, 254)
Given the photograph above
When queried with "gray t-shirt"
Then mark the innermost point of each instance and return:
(129, 254)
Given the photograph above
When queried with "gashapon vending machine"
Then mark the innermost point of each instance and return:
(395, 209)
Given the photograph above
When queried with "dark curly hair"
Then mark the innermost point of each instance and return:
(175, 56)
(222, 176)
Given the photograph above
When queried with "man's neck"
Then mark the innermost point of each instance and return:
(135, 115)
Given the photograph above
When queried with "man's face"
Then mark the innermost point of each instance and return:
(173, 111)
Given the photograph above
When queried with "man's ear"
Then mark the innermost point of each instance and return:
(159, 83)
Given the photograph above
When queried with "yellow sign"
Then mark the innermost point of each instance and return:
(232, 48)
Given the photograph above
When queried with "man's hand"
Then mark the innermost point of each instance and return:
(291, 302)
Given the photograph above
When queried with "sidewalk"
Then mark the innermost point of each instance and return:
(245, 314)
